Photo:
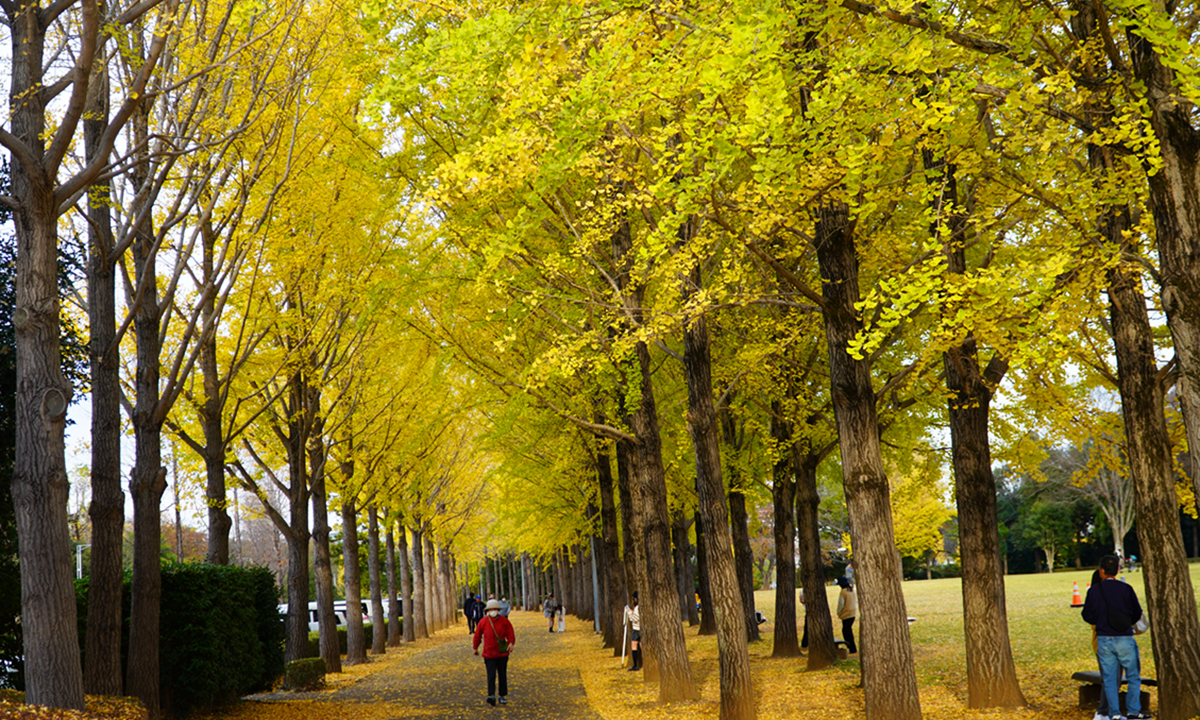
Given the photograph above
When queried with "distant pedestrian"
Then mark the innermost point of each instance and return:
(847, 610)
(476, 613)
(633, 616)
(498, 638)
(549, 609)
(505, 606)
(1113, 607)
(469, 613)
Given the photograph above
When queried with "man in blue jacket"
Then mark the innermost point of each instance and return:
(1112, 606)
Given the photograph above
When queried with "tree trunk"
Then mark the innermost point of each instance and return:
(744, 557)
(420, 626)
(737, 691)
(214, 441)
(394, 612)
(1168, 587)
(331, 651)
(1175, 200)
(818, 621)
(991, 675)
(102, 672)
(889, 676)
(378, 636)
(681, 549)
(783, 495)
(148, 478)
(708, 616)
(428, 568)
(630, 520)
(356, 641)
(408, 599)
(660, 623)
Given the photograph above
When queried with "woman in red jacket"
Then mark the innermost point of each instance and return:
(496, 633)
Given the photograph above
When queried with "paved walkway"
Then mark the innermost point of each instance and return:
(448, 682)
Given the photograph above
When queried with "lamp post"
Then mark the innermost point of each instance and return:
(79, 561)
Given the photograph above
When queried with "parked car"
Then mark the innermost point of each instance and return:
(338, 613)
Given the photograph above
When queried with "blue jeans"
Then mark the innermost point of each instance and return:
(1116, 654)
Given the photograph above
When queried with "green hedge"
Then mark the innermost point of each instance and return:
(305, 674)
(219, 633)
(314, 638)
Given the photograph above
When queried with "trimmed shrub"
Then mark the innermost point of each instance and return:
(219, 633)
(305, 674)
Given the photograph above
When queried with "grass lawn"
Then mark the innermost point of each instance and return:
(1050, 641)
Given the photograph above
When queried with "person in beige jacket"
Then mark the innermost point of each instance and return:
(847, 610)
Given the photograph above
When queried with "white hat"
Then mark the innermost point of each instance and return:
(492, 605)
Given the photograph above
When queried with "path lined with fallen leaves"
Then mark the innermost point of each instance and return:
(448, 682)
(440, 679)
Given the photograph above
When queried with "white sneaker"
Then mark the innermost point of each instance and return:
(1098, 716)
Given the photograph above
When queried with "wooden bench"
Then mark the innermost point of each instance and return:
(1093, 688)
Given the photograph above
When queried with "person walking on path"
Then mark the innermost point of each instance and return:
(498, 638)
(505, 606)
(847, 610)
(1113, 607)
(476, 613)
(634, 618)
(469, 613)
(550, 609)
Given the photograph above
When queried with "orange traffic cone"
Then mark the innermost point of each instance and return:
(1076, 600)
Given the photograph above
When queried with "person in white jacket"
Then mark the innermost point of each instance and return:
(847, 610)
(634, 617)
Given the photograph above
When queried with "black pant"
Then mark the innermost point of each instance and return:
(471, 623)
(848, 635)
(497, 666)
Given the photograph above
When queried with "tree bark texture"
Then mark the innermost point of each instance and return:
(430, 570)
(102, 661)
(1169, 595)
(737, 690)
(54, 676)
(783, 496)
(818, 621)
(681, 549)
(219, 522)
(660, 621)
(991, 675)
(889, 677)
(148, 478)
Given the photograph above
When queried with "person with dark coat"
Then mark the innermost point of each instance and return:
(476, 613)
(1113, 607)
(469, 613)
(496, 634)
(549, 609)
